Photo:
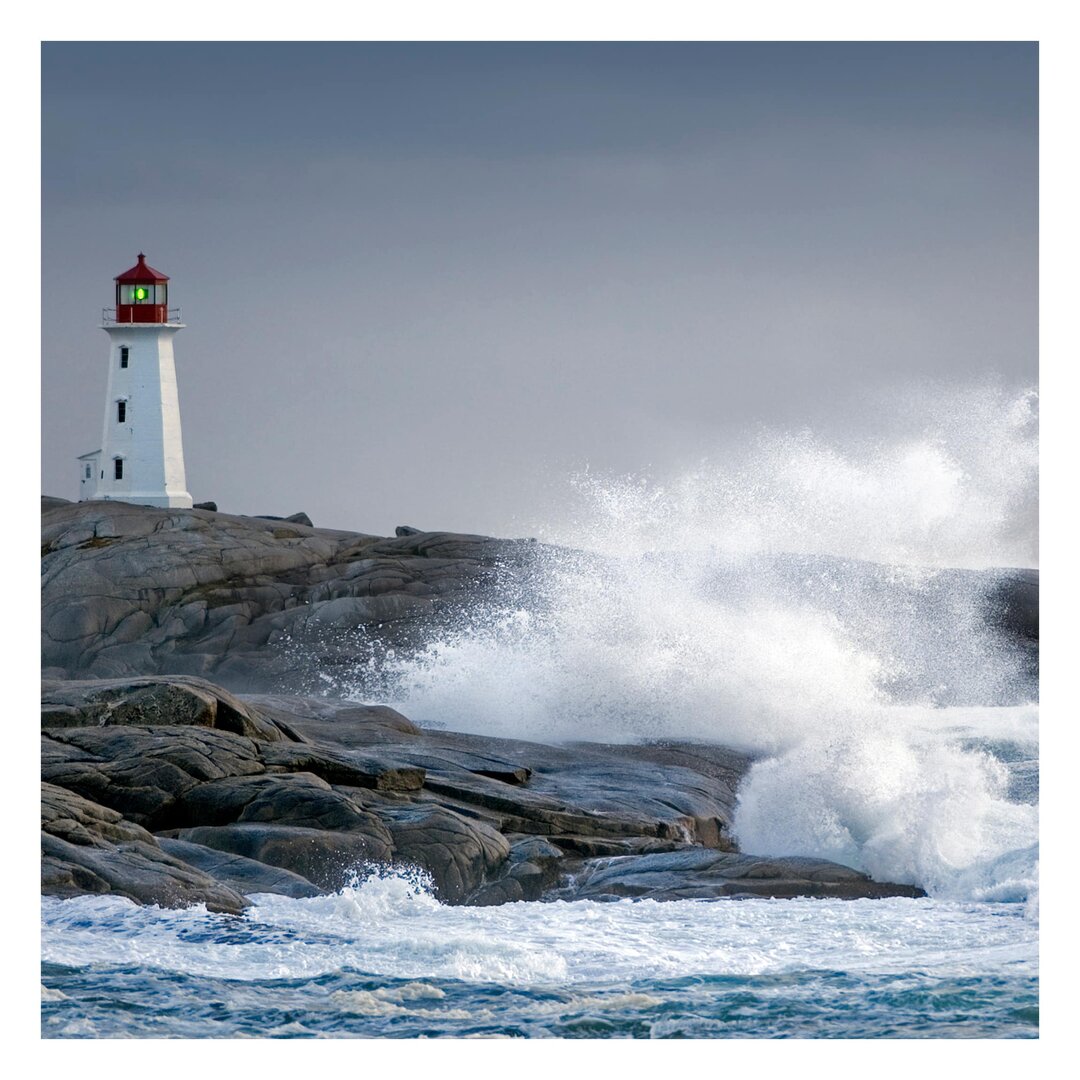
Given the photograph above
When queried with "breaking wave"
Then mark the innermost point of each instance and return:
(827, 608)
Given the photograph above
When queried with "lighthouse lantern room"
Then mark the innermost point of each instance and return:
(142, 295)
(141, 459)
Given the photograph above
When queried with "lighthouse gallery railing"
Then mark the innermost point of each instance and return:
(108, 317)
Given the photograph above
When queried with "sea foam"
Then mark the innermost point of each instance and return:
(530, 944)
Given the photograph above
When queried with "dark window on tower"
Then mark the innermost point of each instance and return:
(118, 468)
(123, 356)
(121, 411)
(87, 472)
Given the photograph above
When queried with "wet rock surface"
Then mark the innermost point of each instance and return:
(143, 796)
(694, 874)
(86, 848)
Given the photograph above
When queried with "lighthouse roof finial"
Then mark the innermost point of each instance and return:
(141, 273)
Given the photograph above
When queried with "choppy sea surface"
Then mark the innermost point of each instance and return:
(385, 959)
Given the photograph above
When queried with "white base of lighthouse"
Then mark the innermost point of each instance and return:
(141, 459)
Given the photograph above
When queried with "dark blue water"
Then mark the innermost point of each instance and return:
(141, 1003)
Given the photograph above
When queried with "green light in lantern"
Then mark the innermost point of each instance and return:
(140, 294)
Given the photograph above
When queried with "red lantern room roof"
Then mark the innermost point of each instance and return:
(140, 274)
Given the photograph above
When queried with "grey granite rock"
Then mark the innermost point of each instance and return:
(459, 853)
(291, 799)
(318, 791)
(243, 875)
(330, 860)
(176, 701)
(142, 772)
(698, 874)
(349, 768)
(86, 848)
(252, 603)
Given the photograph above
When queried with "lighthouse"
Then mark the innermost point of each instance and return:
(141, 459)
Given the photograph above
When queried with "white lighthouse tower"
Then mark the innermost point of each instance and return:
(141, 459)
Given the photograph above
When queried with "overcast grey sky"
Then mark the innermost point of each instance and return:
(423, 282)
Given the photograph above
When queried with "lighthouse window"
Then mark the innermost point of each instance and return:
(87, 472)
(142, 294)
(118, 468)
(123, 356)
(121, 411)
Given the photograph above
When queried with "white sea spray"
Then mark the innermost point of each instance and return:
(732, 604)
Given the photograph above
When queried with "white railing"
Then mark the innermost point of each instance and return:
(108, 317)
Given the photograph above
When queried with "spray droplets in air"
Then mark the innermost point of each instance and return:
(754, 599)
(956, 487)
(813, 604)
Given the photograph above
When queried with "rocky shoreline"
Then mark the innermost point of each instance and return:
(176, 771)
(172, 791)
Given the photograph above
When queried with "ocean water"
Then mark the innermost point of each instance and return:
(385, 959)
(799, 601)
